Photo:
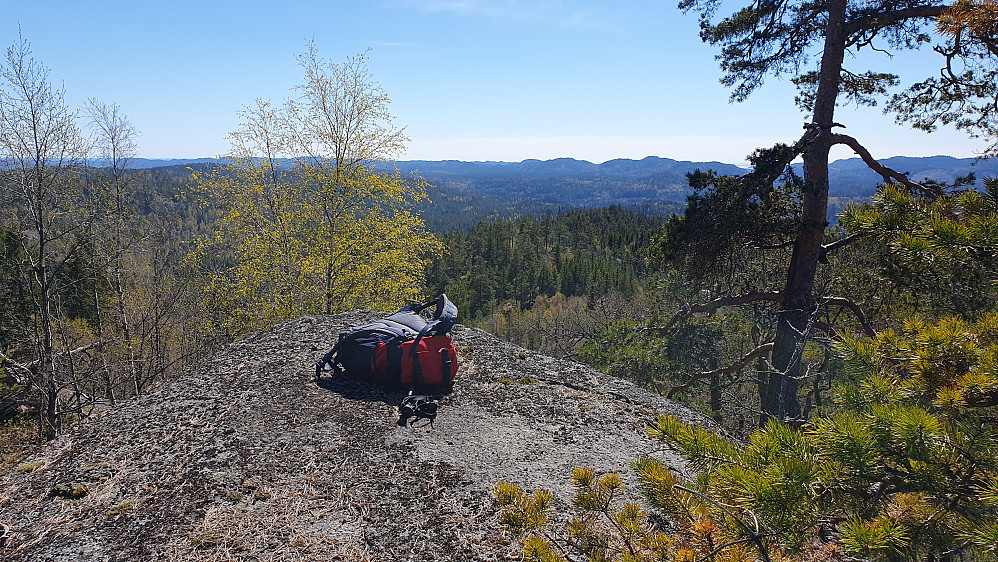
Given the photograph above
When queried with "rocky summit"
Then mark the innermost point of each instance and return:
(247, 457)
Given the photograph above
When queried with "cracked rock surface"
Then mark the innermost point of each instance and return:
(247, 457)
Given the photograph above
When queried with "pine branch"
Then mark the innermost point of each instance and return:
(710, 555)
(855, 309)
(688, 310)
(886, 173)
(753, 535)
(730, 369)
(881, 20)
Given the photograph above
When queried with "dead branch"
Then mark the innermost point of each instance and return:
(855, 309)
(886, 173)
(754, 536)
(730, 369)
(982, 400)
(688, 310)
(24, 368)
(831, 247)
(56, 357)
(28, 368)
(824, 327)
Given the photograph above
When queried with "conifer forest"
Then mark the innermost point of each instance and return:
(850, 362)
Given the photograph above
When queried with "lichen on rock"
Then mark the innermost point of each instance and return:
(246, 456)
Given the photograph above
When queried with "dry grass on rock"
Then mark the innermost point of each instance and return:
(245, 457)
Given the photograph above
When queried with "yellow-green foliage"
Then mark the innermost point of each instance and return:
(905, 469)
(204, 541)
(907, 465)
(953, 227)
(325, 230)
(522, 512)
(123, 507)
(601, 529)
(70, 491)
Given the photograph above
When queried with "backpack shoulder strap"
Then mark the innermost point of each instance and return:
(445, 315)
(443, 318)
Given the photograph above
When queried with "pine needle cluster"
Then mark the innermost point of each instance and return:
(942, 250)
(906, 468)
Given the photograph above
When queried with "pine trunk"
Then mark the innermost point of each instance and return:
(781, 400)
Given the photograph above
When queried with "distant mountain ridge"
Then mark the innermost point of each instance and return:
(849, 173)
(632, 183)
(852, 175)
(561, 167)
(620, 167)
(146, 163)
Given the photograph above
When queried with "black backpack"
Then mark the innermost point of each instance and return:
(406, 349)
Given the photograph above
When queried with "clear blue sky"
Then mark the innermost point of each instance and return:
(469, 79)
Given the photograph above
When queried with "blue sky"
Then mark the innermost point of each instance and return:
(469, 79)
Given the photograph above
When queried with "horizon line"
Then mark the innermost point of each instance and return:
(742, 164)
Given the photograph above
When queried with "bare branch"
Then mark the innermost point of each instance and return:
(855, 309)
(982, 400)
(886, 173)
(688, 310)
(27, 367)
(20, 367)
(824, 327)
(710, 555)
(730, 369)
(753, 535)
(828, 248)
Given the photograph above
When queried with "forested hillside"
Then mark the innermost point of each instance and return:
(117, 276)
(859, 363)
(583, 252)
(467, 192)
(569, 181)
(847, 342)
(550, 283)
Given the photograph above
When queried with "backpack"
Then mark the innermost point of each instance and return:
(403, 350)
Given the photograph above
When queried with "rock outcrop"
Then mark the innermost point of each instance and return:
(246, 457)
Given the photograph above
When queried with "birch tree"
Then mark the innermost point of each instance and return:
(315, 218)
(40, 149)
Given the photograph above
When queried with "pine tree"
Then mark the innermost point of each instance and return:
(809, 42)
(943, 251)
(905, 469)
